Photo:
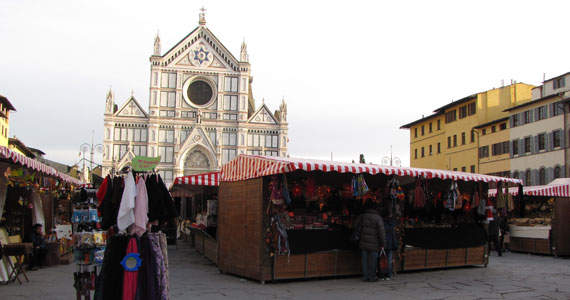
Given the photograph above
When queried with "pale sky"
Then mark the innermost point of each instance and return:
(352, 72)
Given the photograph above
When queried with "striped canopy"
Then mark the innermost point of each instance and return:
(210, 179)
(251, 166)
(538, 190)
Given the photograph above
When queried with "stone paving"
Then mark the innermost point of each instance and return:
(512, 276)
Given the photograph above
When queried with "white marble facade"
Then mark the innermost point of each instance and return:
(201, 112)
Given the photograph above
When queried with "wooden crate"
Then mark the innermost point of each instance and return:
(475, 256)
(348, 263)
(436, 258)
(289, 266)
(414, 259)
(321, 264)
(542, 246)
(456, 257)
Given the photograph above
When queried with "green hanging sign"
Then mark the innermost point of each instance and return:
(145, 163)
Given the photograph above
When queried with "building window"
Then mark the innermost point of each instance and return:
(430, 150)
(139, 150)
(556, 138)
(166, 154)
(415, 153)
(541, 113)
(542, 176)
(228, 154)
(500, 148)
(166, 175)
(130, 134)
(454, 169)
(484, 131)
(423, 131)
(438, 148)
(430, 127)
(557, 109)
(541, 142)
(483, 151)
(451, 116)
(472, 136)
(212, 136)
(527, 145)
(256, 152)
(493, 129)
(416, 132)
(463, 112)
(448, 142)
(515, 120)
(454, 140)
(503, 126)
(471, 108)
(516, 175)
(438, 124)
(264, 140)
(556, 172)
(271, 153)
(169, 80)
(188, 114)
(230, 116)
(167, 99)
(165, 136)
(463, 169)
(559, 83)
(472, 168)
(515, 147)
(527, 180)
(423, 153)
(229, 139)
(527, 116)
(230, 102)
(166, 113)
(231, 84)
(119, 151)
(463, 138)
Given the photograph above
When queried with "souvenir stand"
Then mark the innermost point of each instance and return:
(198, 196)
(29, 191)
(285, 218)
(540, 222)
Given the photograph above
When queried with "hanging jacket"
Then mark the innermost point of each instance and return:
(106, 207)
(126, 215)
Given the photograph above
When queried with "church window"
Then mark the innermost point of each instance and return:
(139, 150)
(271, 153)
(168, 80)
(230, 117)
(228, 154)
(155, 79)
(168, 99)
(243, 85)
(165, 136)
(230, 102)
(212, 135)
(119, 151)
(166, 154)
(254, 152)
(107, 133)
(167, 175)
(188, 114)
(154, 96)
(200, 92)
(231, 84)
(229, 139)
(166, 113)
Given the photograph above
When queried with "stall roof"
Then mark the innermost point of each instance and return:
(550, 190)
(35, 165)
(251, 166)
(210, 179)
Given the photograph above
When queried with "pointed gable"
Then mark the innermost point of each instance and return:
(131, 108)
(263, 116)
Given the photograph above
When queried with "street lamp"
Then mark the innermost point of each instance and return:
(91, 148)
(391, 161)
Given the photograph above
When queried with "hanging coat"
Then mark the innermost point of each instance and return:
(126, 215)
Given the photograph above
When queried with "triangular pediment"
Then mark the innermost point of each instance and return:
(263, 116)
(198, 136)
(201, 49)
(131, 108)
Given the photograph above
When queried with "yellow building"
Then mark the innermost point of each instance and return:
(447, 139)
(494, 147)
(5, 108)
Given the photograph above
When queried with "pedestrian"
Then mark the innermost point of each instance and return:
(39, 251)
(494, 233)
(372, 240)
(392, 243)
(505, 236)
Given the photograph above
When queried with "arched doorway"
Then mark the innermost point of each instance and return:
(197, 161)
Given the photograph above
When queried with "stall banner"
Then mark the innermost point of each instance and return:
(209, 179)
(245, 167)
(145, 163)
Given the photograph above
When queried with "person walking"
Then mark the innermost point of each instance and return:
(392, 243)
(372, 240)
(494, 233)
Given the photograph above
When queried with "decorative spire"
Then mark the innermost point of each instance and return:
(202, 20)
(244, 57)
(283, 109)
(110, 102)
(156, 50)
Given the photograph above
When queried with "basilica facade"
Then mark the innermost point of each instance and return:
(201, 112)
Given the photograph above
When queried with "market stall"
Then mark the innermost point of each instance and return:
(197, 199)
(541, 221)
(285, 218)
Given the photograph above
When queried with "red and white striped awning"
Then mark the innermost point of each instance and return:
(210, 179)
(35, 165)
(251, 166)
(538, 190)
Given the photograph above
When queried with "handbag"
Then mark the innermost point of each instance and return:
(383, 262)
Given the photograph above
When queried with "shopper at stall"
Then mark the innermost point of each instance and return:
(39, 248)
(391, 243)
(494, 233)
(372, 240)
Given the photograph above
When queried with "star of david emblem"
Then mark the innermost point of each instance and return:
(201, 55)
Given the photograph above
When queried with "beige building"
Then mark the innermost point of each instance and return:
(201, 111)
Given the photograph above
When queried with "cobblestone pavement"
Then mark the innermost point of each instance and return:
(512, 276)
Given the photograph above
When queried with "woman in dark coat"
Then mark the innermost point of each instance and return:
(372, 239)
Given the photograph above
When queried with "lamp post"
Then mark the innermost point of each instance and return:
(391, 161)
(91, 148)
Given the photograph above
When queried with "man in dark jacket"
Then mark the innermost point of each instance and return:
(39, 248)
(494, 233)
(372, 239)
